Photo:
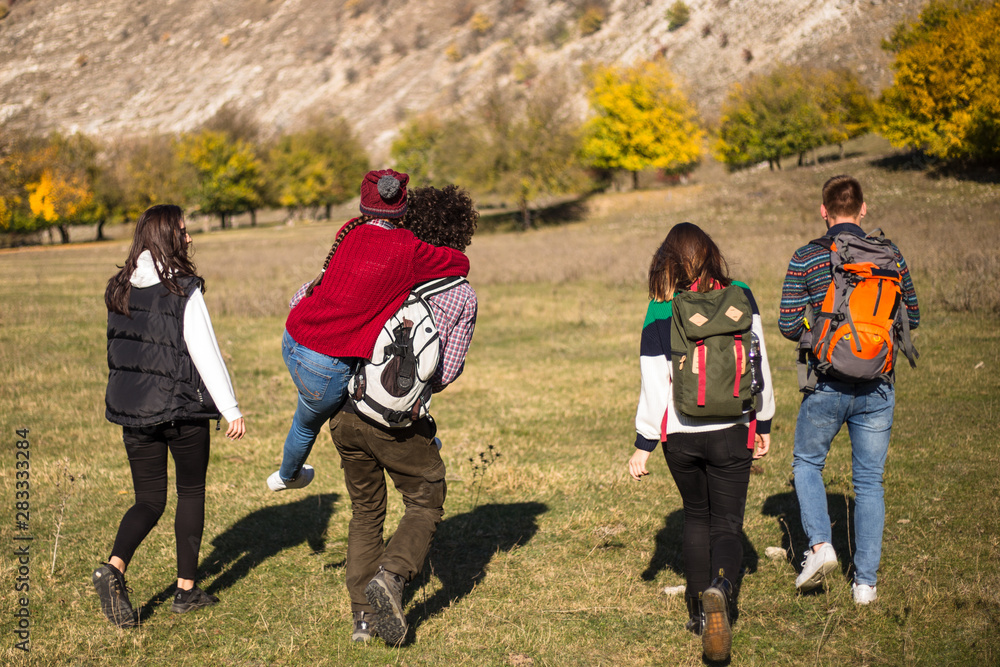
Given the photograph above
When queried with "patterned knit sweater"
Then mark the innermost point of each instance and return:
(367, 281)
(656, 415)
(809, 275)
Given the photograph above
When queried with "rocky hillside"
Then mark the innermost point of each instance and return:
(117, 67)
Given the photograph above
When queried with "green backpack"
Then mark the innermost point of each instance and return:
(710, 343)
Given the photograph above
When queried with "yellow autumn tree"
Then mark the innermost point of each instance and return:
(58, 196)
(62, 191)
(945, 98)
(642, 120)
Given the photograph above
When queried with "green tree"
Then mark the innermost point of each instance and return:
(641, 120)
(422, 149)
(771, 116)
(144, 171)
(317, 167)
(522, 144)
(847, 105)
(945, 96)
(530, 142)
(226, 174)
(15, 173)
(240, 125)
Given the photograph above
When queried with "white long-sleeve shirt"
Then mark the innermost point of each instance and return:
(199, 336)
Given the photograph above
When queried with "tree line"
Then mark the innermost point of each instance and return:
(523, 143)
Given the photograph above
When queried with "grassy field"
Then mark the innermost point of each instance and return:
(550, 555)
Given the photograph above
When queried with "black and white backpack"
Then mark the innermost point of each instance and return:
(393, 389)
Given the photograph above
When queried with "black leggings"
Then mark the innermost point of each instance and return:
(712, 471)
(188, 442)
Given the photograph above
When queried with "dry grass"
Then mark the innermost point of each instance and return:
(553, 557)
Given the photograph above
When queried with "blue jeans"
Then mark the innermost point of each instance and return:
(322, 384)
(867, 409)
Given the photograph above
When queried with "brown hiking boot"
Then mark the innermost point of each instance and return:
(385, 595)
(717, 634)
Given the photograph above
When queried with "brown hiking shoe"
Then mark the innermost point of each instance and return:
(385, 595)
(717, 634)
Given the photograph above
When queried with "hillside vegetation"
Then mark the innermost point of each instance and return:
(125, 67)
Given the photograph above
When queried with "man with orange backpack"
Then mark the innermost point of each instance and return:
(848, 299)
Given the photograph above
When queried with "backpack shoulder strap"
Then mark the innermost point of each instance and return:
(823, 242)
(877, 235)
(436, 286)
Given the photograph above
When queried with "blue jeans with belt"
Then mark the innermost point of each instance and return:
(322, 384)
(867, 409)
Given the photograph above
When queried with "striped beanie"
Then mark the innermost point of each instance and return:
(383, 193)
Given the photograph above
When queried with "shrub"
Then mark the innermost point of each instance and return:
(591, 19)
(481, 23)
(678, 14)
(525, 70)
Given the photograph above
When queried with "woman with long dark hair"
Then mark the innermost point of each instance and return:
(166, 381)
(709, 458)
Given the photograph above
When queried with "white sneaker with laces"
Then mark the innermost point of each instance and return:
(863, 593)
(815, 567)
(275, 483)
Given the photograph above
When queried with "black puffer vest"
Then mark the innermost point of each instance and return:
(151, 378)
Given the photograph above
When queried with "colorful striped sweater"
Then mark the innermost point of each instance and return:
(656, 398)
(809, 275)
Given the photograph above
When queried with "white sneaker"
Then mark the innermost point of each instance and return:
(275, 483)
(815, 567)
(863, 593)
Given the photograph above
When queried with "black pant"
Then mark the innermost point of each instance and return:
(712, 471)
(188, 442)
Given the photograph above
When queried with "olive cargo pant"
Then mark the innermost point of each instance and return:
(413, 462)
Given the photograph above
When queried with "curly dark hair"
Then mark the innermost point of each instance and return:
(445, 217)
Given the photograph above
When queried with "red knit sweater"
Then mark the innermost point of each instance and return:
(367, 281)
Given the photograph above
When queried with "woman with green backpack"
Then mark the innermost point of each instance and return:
(707, 396)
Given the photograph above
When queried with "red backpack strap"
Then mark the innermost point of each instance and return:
(752, 432)
(702, 377)
(663, 422)
(715, 285)
(739, 363)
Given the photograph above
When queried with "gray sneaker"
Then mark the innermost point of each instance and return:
(111, 588)
(385, 595)
(362, 630)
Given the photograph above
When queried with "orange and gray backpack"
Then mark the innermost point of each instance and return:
(863, 322)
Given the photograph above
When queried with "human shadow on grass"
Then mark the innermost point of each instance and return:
(255, 538)
(784, 507)
(669, 553)
(462, 549)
